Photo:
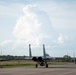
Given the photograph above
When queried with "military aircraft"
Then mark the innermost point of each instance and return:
(41, 60)
(7, 58)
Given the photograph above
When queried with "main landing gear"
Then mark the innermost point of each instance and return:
(36, 65)
(46, 64)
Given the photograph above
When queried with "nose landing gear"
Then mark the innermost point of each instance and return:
(42, 64)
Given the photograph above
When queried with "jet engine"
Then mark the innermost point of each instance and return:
(40, 59)
(35, 59)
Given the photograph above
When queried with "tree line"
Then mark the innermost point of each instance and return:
(65, 58)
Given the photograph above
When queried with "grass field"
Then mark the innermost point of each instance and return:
(15, 63)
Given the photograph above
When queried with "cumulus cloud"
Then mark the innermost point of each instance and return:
(62, 38)
(33, 26)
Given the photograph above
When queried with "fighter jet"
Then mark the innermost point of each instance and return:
(7, 58)
(41, 60)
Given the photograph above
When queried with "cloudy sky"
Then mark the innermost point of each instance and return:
(38, 22)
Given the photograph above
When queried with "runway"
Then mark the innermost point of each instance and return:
(52, 70)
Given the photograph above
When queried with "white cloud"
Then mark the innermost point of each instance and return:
(30, 27)
(62, 38)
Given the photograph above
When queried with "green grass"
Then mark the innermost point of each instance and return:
(18, 63)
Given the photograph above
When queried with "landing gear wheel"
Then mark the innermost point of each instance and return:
(46, 65)
(36, 65)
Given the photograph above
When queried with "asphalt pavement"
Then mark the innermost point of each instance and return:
(52, 70)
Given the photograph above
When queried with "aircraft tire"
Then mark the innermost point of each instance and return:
(46, 65)
(36, 65)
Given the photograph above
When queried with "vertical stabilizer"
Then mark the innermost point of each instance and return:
(44, 53)
(30, 54)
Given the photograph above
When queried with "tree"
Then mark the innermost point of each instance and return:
(66, 58)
